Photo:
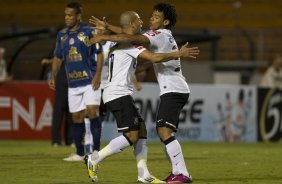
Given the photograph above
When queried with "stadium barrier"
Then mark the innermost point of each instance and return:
(213, 113)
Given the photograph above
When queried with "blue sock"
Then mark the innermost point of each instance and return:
(78, 134)
(96, 128)
(88, 149)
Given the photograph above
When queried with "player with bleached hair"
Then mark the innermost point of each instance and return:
(174, 90)
(118, 95)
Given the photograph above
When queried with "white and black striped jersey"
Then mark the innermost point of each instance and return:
(122, 66)
(169, 74)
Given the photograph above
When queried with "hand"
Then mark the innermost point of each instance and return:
(190, 52)
(51, 84)
(96, 81)
(98, 24)
(138, 86)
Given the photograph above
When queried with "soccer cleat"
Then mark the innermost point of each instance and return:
(92, 168)
(168, 178)
(180, 178)
(74, 158)
(149, 179)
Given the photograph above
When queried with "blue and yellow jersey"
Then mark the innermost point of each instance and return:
(80, 57)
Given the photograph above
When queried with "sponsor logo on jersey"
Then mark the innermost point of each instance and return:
(78, 75)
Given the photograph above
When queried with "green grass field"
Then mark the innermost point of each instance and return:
(36, 162)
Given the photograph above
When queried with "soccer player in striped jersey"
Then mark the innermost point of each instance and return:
(174, 90)
(118, 91)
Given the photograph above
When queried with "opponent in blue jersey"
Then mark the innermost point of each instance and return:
(83, 65)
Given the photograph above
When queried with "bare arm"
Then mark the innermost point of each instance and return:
(121, 38)
(137, 84)
(96, 81)
(46, 61)
(115, 29)
(185, 51)
(56, 64)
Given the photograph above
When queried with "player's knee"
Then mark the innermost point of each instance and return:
(132, 136)
(92, 112)
(78, 117)
(143, 130)
(164, 133)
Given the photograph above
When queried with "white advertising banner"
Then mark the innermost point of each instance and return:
(213, 113)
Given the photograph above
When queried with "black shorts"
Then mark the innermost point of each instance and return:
(169, 110)
(102, 107)
(125, 113)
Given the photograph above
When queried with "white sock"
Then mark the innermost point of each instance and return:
(88, 136)
(141, 152)
(116, 145)
(165, 151)
(176, 157)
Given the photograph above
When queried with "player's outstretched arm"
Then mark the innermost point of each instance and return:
(190, 52)
(104, 25)
(185, 51)
(121, 38)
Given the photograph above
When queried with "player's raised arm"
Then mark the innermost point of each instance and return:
(190, 52)
(121, 38)
(104, 25)
(185, 51)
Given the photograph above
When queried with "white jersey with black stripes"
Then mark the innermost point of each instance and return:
(169, 74)
(122, 66)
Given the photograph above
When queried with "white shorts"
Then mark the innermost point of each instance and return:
(80, 97)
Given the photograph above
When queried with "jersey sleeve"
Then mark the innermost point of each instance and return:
(58, 49)
(135, 50)
(154, 36)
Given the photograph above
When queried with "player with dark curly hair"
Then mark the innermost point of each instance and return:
(174, 90)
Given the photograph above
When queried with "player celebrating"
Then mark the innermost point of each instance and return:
(174, 90)
(118, 90)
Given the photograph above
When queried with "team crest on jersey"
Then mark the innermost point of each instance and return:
(71, 41)
(74, 55)
(83, 38)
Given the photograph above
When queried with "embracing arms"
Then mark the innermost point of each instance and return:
(185, 51)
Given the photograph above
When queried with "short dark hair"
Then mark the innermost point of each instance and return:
(169, 13)
(76, 6)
